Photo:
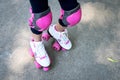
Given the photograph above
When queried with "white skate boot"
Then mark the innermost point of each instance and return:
(61, 37)
(39, 53)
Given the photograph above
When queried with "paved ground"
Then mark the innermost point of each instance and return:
(95, 38)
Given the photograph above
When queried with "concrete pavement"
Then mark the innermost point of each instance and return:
(95, 39)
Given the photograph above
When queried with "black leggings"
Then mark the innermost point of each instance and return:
(39, 6)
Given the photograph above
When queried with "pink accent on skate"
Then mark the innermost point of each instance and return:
(74, 18)
(45, 36)
(37, 65)
(44, 22)
(43, 57)
(67, 42)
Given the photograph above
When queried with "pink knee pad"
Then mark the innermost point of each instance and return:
(72, 17)
(40, 21)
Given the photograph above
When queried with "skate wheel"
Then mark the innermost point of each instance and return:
(31, 52)
(45, 36)
(37, 65)
(56, 46)
(46, 68)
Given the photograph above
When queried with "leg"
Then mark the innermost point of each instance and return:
(37, 7)
(40, 20)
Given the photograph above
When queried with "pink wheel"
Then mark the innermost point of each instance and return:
(46, 68)
(45, 36)
(56, 46)
(31, 52)
(37, 65)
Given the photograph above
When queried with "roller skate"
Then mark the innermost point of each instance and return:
(41, 58)
(61, 39)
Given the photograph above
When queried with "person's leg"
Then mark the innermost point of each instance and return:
(38, 6)
(70, 15)
(40, 20)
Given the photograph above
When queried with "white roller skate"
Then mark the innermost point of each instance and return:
(38, 51)
(62, 40)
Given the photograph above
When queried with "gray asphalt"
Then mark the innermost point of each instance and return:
(95, 39)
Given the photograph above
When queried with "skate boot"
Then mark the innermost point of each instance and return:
(61, 38)
(40, 55)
